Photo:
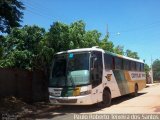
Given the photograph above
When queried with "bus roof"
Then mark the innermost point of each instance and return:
(96, 48)
(82, 50)
(124, 57)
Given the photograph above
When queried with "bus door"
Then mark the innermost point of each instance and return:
(96, 75)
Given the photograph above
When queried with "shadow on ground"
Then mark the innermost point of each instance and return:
(64, 110)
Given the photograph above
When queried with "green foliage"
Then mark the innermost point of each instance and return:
(131, 54)
(63, 37)
(106, 45)
(76, 33)
(146, 69)
(18, 59)
(44, 57)
(26, 38)
(1, 46)
(119, 50)
(10, 14)
(91, 38)
(58, 37)
(30, 47)
(23, 48)
(156, 69)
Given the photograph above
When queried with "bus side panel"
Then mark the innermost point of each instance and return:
(130, 82)
(136, 77)
(109, 80)
(126, 83)
(140, 80)
(97, 93)
(141, 84)
(122, 82)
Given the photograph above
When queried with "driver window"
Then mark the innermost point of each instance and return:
(96, 68)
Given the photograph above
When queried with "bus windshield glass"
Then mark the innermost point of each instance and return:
(70, 69)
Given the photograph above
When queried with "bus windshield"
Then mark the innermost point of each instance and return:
(70, 69)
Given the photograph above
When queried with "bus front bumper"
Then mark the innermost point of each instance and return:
(73, 100)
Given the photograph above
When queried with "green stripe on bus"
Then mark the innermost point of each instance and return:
(121, 81)
(67, 91)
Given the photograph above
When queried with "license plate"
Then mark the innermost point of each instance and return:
(57, 93)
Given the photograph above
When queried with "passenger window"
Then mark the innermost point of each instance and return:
(138, 66)
(126, 64)
(142, 67)
(133, 65)
(118, 63)
(108, 61)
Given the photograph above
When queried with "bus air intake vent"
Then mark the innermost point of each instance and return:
(67, 101)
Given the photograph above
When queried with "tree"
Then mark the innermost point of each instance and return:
(76, 33)
(25, 38)
(30, 47)
(23, 48)
(146, 68)
(2, 39)
(10, 14)
(58, 37)
(63, 37)
(91, 38)
(106, 45)
(119, 50)
(131, 54)
(156, 69)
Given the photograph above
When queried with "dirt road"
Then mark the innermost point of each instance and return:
(147, 101)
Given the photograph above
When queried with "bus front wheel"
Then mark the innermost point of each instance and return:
(106, 99)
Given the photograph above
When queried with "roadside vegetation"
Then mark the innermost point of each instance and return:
(32, 47)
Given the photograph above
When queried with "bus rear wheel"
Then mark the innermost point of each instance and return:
(106, 99)
(135, 93)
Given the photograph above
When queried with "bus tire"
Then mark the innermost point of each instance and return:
(135, 93)
(106, 99)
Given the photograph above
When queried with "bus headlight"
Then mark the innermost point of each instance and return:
(85, 92)
(77, 92)
(51, 94)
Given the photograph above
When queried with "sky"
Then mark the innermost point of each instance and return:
(134, 24)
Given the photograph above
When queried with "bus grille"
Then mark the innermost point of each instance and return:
(67, 101)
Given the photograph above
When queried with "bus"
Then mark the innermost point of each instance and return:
(91, 75)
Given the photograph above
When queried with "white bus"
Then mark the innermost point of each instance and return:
(91, 75)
